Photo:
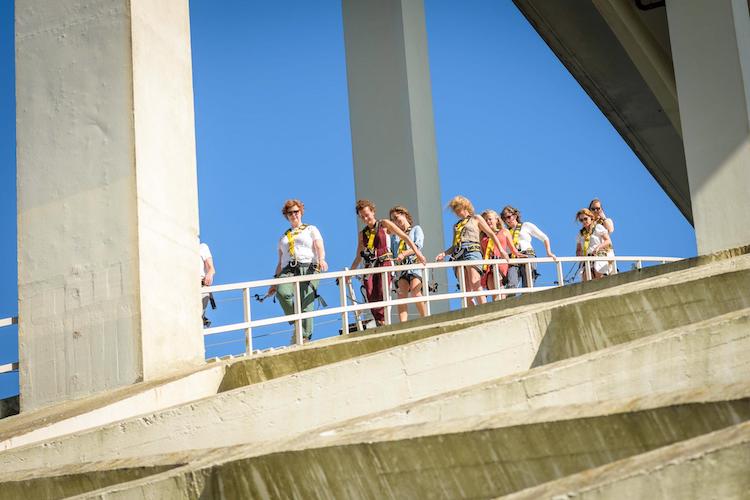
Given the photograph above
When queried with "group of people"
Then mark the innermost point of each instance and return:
(398, 240)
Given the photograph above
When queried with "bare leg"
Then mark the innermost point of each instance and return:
(474, 283)
(403, 292)
(416, 291)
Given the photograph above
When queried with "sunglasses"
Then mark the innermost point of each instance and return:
(596, 209)
(290, 212)
(506, 216)
(584, 219)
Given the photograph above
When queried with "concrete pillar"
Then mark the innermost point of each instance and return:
(390, 108)
(107, 196)
(711, 53)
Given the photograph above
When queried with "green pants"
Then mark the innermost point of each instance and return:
(285, 295)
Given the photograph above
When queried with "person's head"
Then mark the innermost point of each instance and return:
(366, 211)
(596, 207)
(293, 211)
(510, 215)
(461, 206)
(492, 219)
(585, 217)
(401, 217)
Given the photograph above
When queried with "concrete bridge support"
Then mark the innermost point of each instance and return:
(107, 196)
(390, 106)
(711, 53)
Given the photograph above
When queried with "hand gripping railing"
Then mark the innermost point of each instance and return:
(342, 278)
(9, 367)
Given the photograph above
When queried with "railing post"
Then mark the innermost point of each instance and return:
(560, 276)
(342, 300)
(639, 264)
(386, 296)
(298, 311)
(462, 286)
(247, 316)
(426, 289)
(351, 291)
(496, 278)
(529, 275)
(587, 269)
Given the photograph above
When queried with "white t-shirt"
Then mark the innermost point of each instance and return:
(528, 229)
(597, 236)
(205, 254)
(303, 245)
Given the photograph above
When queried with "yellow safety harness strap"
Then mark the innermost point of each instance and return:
(290, 235)
(488, 252)
(516, 234)
(458, 230)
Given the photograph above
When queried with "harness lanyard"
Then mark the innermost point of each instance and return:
(516, 234)
(488, 252)
(370, 233)
(458, 230)
(290, 235)
(586, 243)
(401, 247)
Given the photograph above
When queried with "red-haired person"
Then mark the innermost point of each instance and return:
(467, 244)
(301, 252)
(373, 248)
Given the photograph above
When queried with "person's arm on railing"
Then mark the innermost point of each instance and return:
(509, 244)
(393, 228)
(210, 270)
(605, 244)
(272, 288)
(486, 229)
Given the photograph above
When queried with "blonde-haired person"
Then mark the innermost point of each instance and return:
(596, 208)
(593, 239)
(521, 235)
(373, 247)
(467, 235)
(489, 251)
(301, 252)
(407, 282)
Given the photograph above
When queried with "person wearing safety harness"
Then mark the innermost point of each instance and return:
(593, 239)
(466, 244)
(489, 251)
(207, 279)
(521, 234)
(407, 281)
(601, 218)
(373, 248)
(301, 252)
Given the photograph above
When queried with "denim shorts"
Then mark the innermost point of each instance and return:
(476, 255)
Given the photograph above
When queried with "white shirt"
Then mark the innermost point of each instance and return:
(528, 229)
(303, 245)
(205, 255)
(597, 236)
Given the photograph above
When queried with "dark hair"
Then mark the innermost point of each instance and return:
(398, 209)
(362, 204)
(512, 210)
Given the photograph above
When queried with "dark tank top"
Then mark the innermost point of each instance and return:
(379, 243)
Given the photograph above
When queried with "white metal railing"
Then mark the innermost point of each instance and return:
(9, 367)
(343, 279)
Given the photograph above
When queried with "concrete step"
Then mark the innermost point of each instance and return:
(715, 465)
(712, 352)
(476, 457)
(299, 402)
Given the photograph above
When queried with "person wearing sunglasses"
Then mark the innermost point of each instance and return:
(301, 252)
(593, 239)
(601, 218)
(521, 234)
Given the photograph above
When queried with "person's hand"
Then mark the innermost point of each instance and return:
(440, 257)
(554, 257)
(271, 290)
(323, 265)
(208, 279)
(400, 257)
(421, 258)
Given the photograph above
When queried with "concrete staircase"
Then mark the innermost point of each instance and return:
(599, 390)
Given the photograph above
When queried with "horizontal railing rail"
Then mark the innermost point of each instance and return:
(346, 295)
(8, 367)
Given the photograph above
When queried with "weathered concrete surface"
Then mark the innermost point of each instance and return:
(709, 353)
(481, 456)
(128, 402)
(714, 465)
(297, 403)
(107, 196)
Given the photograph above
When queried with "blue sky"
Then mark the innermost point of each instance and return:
(271, 113)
